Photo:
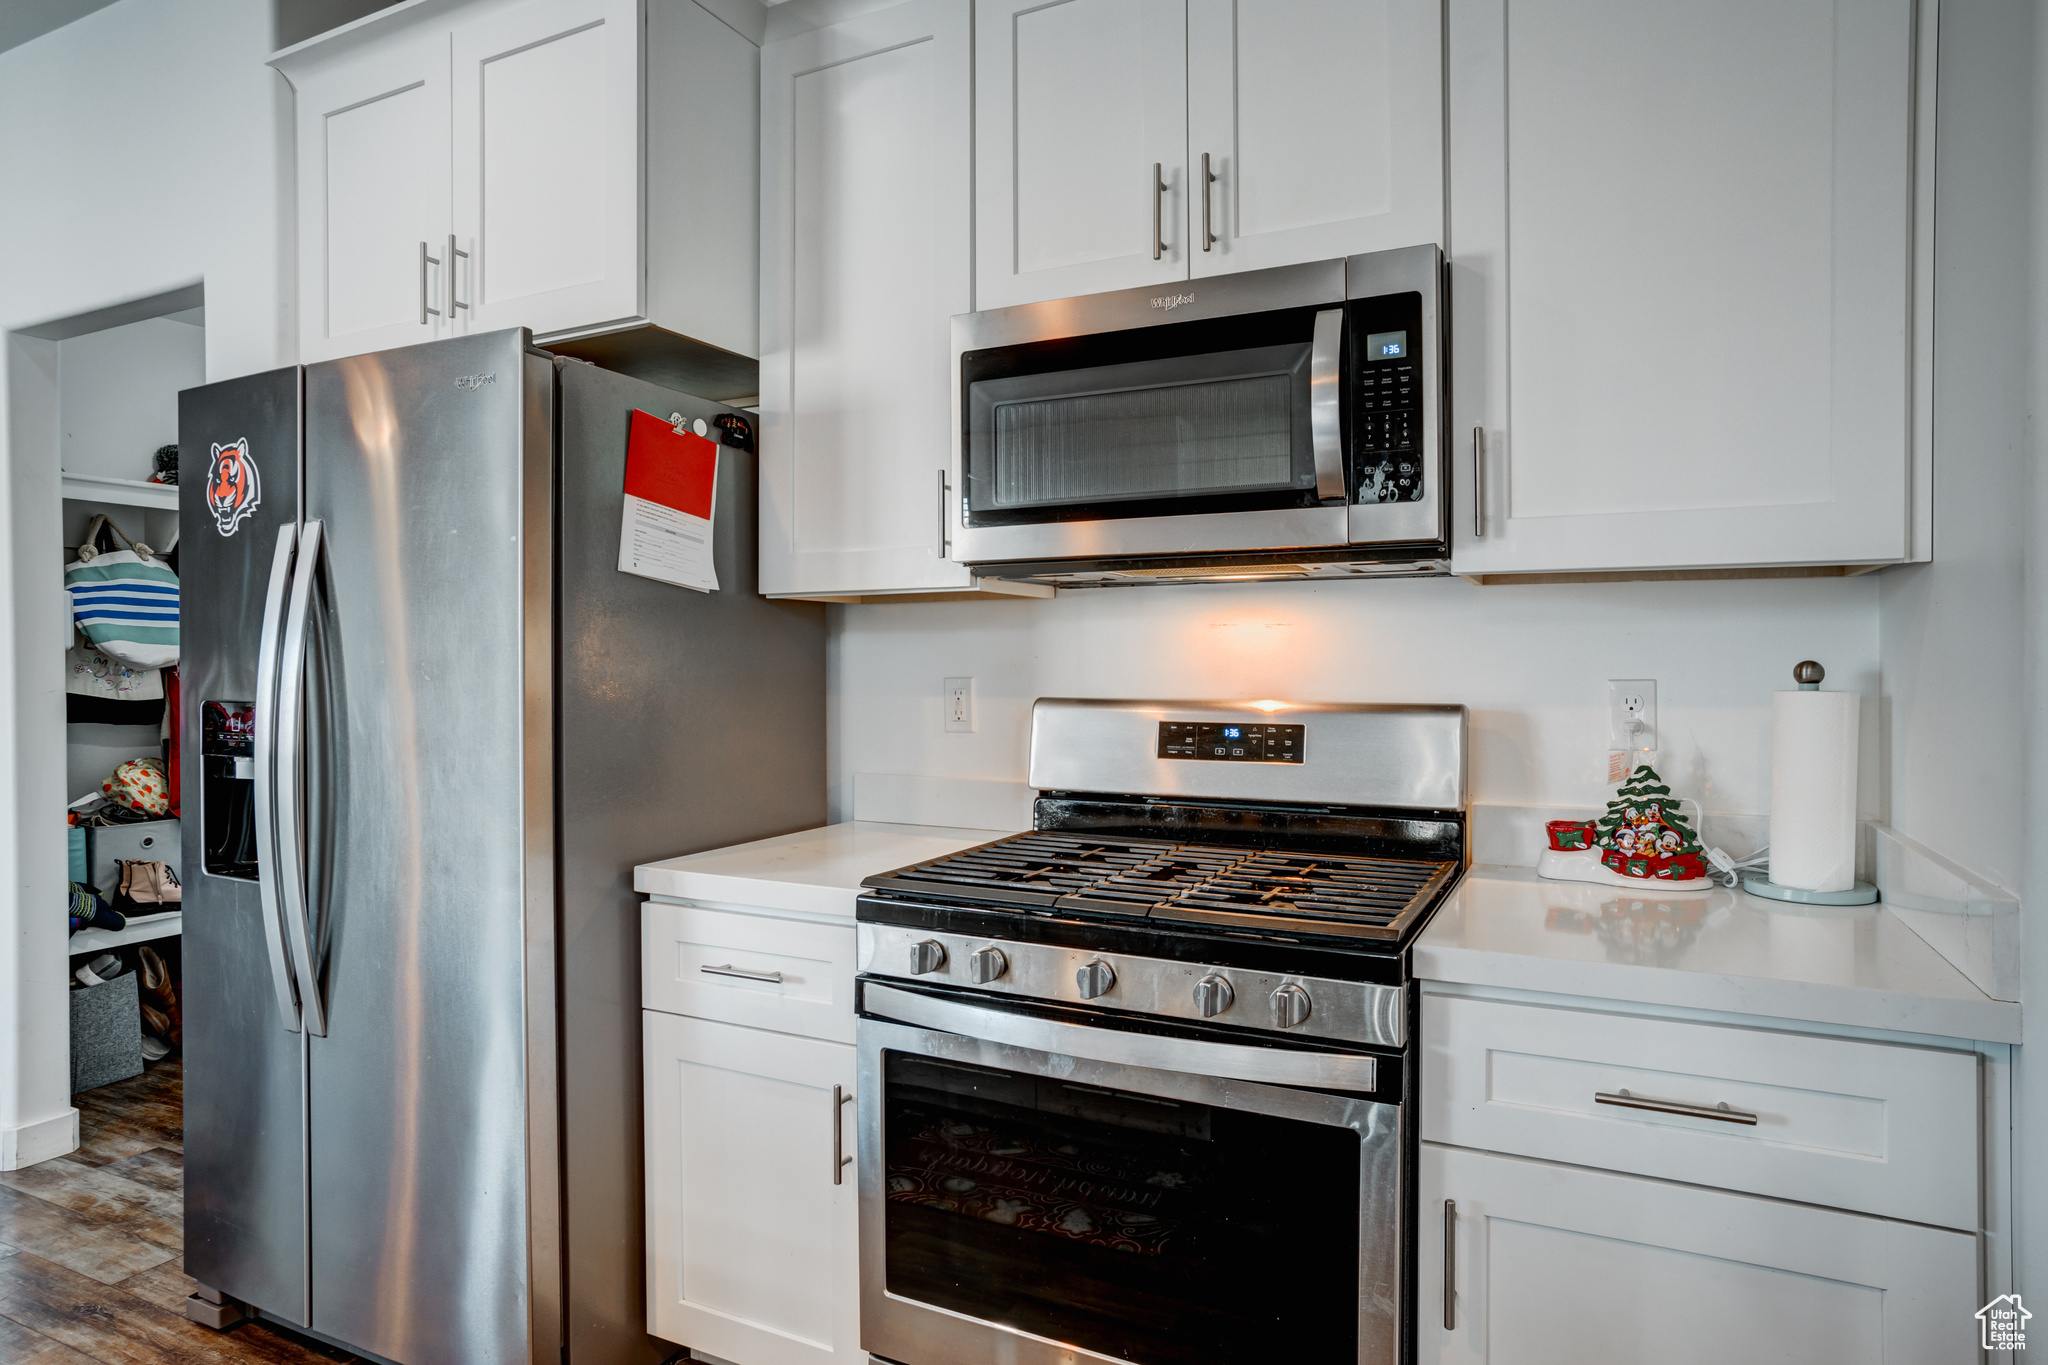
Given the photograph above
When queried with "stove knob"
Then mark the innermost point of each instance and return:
(1290, 1006)
(1095, 979)
(986, 964)
(928, 956)
(1213, 995)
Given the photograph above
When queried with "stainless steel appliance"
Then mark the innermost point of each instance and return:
(447, 729)
(1282, 423)
(1136, 1086)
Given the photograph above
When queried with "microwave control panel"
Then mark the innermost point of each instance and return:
(1231, 742)
(1387, 462)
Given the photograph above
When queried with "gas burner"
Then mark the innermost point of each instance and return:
(1272, 890)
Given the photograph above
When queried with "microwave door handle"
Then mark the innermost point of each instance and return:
(1325, 393)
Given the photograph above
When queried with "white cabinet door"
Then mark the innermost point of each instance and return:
(1681, 273)
(866, 225)
(547, 166)
(1323, 124)
(751, 1248)
(1558, 1265)
(1075, 102)
(373, 199)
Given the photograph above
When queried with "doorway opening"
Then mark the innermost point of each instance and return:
(92, 445)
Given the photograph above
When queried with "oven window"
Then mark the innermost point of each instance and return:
(1185, 427)
(1143, 1229)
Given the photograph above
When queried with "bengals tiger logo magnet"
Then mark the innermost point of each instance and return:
(233, 490)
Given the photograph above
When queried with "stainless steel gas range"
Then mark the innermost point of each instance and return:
(1136, 1086)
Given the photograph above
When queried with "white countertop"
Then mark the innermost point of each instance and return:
(818, 871)
(1714, 950)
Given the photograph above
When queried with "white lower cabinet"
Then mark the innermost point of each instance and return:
(751, 1249)
(1559, 1265)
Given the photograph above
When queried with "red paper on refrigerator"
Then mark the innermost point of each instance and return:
(671, 483)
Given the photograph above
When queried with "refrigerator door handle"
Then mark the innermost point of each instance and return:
(266, 785)
(291, 856)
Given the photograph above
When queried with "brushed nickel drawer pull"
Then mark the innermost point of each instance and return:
(1450, 1265)
(742, 973)
(840, 1161)
(1698, 1111)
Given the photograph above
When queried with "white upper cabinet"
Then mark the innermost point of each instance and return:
(865, 241)
(1076, 102)
(1682, 273)
(373, 200)
(547, 165)
(574, 167)
(1323, 124)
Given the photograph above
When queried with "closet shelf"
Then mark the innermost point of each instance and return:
(141, 929)
(121, 492)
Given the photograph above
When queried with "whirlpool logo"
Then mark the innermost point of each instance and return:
(1169, 302)
(473, 382)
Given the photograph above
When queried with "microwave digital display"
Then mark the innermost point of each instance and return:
(1386, 346)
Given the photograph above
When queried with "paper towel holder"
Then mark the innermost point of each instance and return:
(1808, 674)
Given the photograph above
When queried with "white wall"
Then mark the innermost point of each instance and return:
(1530, 661)
(145, 150)
(1951, 652)
(120, 394)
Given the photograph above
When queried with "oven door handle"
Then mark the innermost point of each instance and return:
(1190, 1056)
(1325, 400)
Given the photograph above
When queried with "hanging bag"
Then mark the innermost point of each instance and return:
(125, 601)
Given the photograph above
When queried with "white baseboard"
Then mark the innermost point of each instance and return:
(39, 1141)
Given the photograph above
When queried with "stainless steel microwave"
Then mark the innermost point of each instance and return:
(1283, 423)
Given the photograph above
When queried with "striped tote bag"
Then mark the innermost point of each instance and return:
(125, 602)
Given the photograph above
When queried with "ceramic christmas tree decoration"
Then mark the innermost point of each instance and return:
(1643, 837)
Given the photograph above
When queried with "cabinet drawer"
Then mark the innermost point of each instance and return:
(1874, 1127)
(763, 971)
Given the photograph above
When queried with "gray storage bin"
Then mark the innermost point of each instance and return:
(149, 841)
(106, 1033)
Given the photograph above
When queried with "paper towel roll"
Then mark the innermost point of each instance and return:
(1813, 789)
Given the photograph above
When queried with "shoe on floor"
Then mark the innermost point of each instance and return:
(159, 995)
(154, 1049)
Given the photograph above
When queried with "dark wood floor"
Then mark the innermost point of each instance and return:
(90, 1264)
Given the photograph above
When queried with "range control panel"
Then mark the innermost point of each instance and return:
(1231, 743)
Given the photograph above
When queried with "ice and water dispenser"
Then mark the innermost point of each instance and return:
(227, 746)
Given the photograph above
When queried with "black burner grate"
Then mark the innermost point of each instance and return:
(1269, 890)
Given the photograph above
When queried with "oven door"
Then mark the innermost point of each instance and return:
(1037, 1190)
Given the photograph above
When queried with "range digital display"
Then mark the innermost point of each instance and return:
(1232, 743)
(1386, 346)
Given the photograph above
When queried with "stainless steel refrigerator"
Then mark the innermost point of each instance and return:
(429, 728)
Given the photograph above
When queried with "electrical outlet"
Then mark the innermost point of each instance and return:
(1631, 698)
(959, 701)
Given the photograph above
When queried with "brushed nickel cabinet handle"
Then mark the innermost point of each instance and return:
(1479, 483)
(1720, 1111)
(840, 1161)
(1450, 1265)
(425, 261)
(1208, 179)
(451, 256)
(727, 969)
(1158, 201)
